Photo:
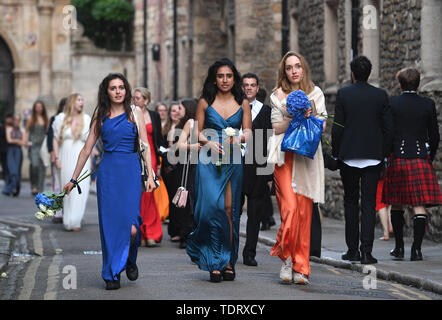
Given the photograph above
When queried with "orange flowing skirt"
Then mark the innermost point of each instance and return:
(162, 198)
(293, 238)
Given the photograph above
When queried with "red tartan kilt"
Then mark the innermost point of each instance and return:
(411, 182)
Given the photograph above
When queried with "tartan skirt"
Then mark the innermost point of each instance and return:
(411, 182)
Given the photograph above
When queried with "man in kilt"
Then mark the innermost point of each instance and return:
(410, 179)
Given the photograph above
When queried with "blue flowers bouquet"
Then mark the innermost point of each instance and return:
(49, 202)
(303, 134)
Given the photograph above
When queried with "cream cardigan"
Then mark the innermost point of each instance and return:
(308, 178)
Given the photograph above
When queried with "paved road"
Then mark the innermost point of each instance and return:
(69, 266)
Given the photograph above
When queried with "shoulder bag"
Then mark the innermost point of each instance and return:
(141, 149)
(180, 197)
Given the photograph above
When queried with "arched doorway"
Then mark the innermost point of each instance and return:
(7, 93)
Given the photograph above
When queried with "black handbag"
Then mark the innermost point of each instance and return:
(141, 149)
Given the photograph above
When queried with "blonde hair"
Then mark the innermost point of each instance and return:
(68, 117)
(144, 92)
(306, 84)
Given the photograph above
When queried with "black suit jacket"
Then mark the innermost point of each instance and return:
(157, 136)
(364, 111)
(262, 121)
(415, 124)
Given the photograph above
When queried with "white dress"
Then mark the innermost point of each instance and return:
(74, 204)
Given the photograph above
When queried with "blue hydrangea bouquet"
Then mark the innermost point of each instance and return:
(49, 202)
(303, 134)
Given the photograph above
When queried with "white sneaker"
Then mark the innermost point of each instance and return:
(286, 273)
(299, 278)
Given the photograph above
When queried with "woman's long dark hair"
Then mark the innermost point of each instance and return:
(190, 107)
(104, 104)
(33, 119)
(210, 89)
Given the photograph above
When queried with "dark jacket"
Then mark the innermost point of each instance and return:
(157, 136)
(364, 111)
(262, 121)
(415, 125)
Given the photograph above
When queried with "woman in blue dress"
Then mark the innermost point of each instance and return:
(118, 178)
(213, 245)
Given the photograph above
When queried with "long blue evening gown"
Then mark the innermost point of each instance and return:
(118, 195)
(209, 244)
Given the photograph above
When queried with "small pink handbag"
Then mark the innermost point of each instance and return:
(180, 197)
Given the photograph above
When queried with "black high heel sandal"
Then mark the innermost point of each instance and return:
(229, 276)
(216, 277)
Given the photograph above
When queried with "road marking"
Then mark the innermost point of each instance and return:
(29, 279)
(53, 270)
(397, 292)
(419, 295)
(334, 271)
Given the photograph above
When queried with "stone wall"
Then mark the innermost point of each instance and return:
(258, 45)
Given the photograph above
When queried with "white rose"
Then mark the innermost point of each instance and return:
(42, 208)
(230, 132)
(40, 215)
(50, 213)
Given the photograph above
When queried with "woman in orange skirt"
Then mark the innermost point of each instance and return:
(299, 181)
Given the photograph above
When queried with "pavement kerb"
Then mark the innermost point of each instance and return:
(405, 279)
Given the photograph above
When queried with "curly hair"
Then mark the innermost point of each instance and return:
(104, 104)
(210, 89)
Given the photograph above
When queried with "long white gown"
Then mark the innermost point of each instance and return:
(74, 204)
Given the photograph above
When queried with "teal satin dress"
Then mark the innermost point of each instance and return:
(209, 245)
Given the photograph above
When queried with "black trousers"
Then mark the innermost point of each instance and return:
(258, 205)
(360, 184)
(315, 232)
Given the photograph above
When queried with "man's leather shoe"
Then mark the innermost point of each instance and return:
(367, 258)
(351, 255)
(132, 272)
(249, 261)
(397, 253)
(416, 255)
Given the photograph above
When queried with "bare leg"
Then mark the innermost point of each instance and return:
(383, 217)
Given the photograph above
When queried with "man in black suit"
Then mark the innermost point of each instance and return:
(361, 145)
(255, 185)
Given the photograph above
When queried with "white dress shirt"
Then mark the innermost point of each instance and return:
(256, 108)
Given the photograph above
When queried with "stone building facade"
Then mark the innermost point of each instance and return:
(43, 55)
(329, 33)
(48, 56)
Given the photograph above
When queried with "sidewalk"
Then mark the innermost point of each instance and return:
(426, 274)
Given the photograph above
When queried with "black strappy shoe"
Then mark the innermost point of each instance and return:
(216, 277)
(229, 276)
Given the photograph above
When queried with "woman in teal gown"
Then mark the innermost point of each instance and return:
(213, 245)
(118, 178)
